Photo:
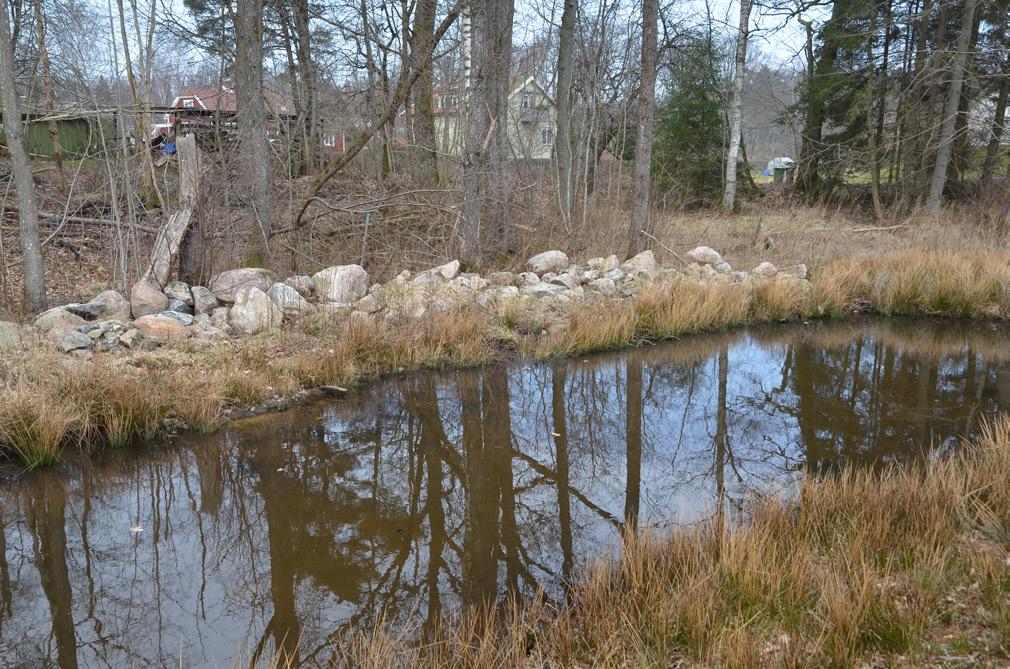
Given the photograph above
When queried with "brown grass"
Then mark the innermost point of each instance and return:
(117, 400)
(900, 568)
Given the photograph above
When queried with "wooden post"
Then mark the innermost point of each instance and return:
(193, 248)
(172, 235)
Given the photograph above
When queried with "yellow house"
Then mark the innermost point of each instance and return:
(532, 118)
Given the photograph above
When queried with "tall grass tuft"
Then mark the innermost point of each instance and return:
(35, 427)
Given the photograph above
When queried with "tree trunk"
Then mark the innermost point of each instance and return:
(736, 108)
(871, 127)
(563, 137)
(426, 150)
(998, 127)
(646, 113)
(193, 247)
(254, 147)
(485, 226)
(47, 82)
(307, 85)
(939, 180)
(28, 216)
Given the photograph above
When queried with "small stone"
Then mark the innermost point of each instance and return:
(303, 284)
(344, 284)
(132, 338)
(146, 298)
(72, 341)
(226, 285)
(179, 290)
(160, 328)
(403, 277)
(528, 279)
(723, 267)
(799, 271)
(548, 261)
(204, 301)
(704, 255)
(766, 269)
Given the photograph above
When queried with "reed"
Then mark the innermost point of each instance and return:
(855, 569)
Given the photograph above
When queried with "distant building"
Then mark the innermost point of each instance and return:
(196, 110)
(532, 120)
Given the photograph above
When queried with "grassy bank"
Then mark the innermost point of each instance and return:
(907, 568)
(49, 403)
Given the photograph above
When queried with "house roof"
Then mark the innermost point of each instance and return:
(223, 99)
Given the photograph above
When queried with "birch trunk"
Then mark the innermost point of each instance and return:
(646, 114)
(736, 108)
(939, 180)
(28, 215)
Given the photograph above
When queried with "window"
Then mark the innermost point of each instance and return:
(329, 140)
(441, 102)
(527, 100)
(188, 103)
(453, 101)
(547, 135)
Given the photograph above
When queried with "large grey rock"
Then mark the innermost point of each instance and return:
(132, 338)
(542, 290)
(303, 284)
(179, 316)
(289, 301)
(643, 262)
(160, 328)
(179, 290)
(344, 284)
(605, 287)
(798, 271)
(204, 301)
(548, 261)
(226, 285)
(72, 340)
(704, 255)
(58, 319)
(11, 335)
(369, 304)
(254, 311)
(178, 306)
(111, 306)
(604, 265)
(567, 280)
(146, 298)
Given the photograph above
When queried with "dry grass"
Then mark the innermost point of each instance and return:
(900, 568)
(118, 400)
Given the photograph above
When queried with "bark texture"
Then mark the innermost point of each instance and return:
(646, 114)
(736, 108)
(563, 138)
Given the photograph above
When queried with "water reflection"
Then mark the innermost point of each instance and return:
(415, 497)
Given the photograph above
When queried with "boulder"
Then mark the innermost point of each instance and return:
(723, 267)
(58, 319)
(766, 269)
(605, 287)
(566, 280)
(548, 261)
(643, 262)
(111, 306)
(344, 284)
(542, 290)
(204, 301)
(132, 338)
(502, 278)
(180, 307)
(254, 311)
(159, 328)
(146, 298)
(798, 271)
(72, 340)
(219, 318)
(369, 304)
(301, 283)
(604, 265)
(226, 285)
(704, 255)
(182, 318)
(290, 301)
(179, 290)
(11, 335)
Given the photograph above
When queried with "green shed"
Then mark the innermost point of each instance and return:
(80, 136)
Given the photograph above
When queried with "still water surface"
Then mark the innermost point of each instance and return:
(420, 495)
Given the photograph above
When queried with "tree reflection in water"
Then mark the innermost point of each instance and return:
(417, 497)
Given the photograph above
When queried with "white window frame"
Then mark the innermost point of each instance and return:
(547, 135)
(188, 103)
(527, 102)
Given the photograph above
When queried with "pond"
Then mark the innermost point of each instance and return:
(422, 495)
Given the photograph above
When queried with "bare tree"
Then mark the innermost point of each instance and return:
(735, 112)
(47, 83)
(424, 119)
(28, 215)
(254, 147)
(563, 138)
(950, 111)
(646, 113)
(484, 209)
